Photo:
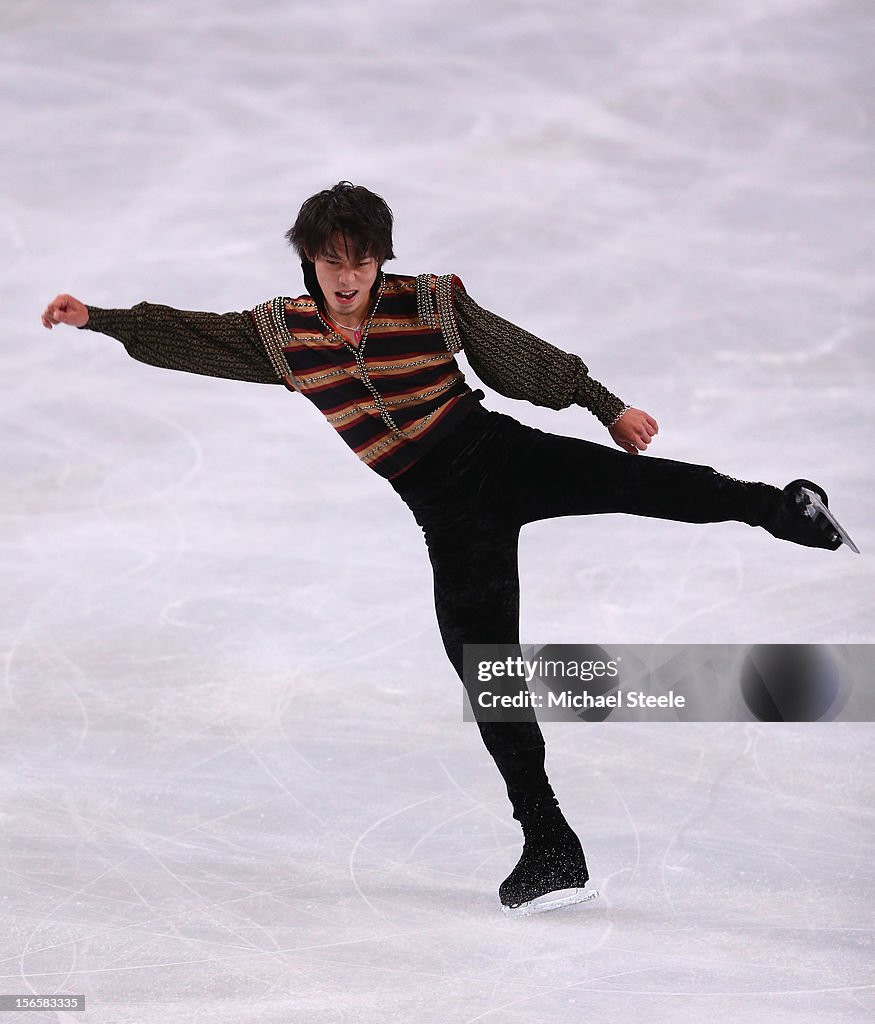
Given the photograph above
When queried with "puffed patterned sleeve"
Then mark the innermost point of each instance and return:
(214, 344)
(518, 364)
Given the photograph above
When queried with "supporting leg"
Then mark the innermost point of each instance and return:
(476, 591)
(476, 583)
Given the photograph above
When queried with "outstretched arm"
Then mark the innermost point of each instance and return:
(215, 344)
(518, 364)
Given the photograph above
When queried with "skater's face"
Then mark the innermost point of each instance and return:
(346, 278)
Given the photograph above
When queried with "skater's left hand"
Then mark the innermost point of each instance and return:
(634, 430)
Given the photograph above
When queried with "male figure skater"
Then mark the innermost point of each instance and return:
(376, 354)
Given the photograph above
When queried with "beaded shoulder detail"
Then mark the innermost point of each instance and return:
(434, 303)
(270, 320)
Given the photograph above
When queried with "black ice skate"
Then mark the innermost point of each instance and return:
(815, 507)
(801, 515)
(551, 872)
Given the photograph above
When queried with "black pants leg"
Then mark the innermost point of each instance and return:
(566, 476)
(476, 594)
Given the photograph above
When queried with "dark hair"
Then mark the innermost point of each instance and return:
(350, 210)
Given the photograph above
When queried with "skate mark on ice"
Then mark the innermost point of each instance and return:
(352, 854)
(552, 991)
(44, 639)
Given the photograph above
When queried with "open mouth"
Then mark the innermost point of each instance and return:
(346, 296)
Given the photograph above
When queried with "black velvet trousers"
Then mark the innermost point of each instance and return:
(473, 492)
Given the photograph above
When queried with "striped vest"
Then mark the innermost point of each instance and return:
(400, 391)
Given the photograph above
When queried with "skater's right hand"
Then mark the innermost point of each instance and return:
(64, 309)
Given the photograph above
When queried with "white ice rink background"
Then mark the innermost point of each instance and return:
(236, 786)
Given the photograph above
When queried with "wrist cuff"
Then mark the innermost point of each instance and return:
(621, 413)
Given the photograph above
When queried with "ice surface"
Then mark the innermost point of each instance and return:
(236, 783)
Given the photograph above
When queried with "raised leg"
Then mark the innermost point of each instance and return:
(564, 476)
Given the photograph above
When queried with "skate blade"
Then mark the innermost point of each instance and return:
(551, 901)
(817, 507)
